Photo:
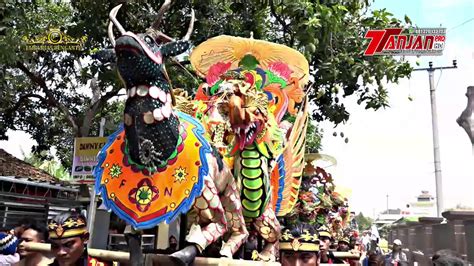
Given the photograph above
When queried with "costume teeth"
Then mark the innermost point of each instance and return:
(132, 92)
(162, 96)
(157, 114)
(154, 92)
(142, 90)
(166, 110)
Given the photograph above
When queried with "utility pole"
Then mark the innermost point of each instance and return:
(93, 196)
(387, 205)
(434, 121)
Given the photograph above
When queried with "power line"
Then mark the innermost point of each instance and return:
(465, 22)
(439, 78)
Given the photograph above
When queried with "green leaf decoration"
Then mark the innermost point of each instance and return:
(248, 62)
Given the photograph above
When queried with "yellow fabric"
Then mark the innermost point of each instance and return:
(324, 233)
(69, 228)
(298, 246)
(68, 233)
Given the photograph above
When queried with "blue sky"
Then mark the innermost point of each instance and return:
(390, 151)
(435, 13)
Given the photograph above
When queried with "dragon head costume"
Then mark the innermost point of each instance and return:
(159, 164)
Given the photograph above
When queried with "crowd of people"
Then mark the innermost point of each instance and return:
(322, 210)
(300, 245)
(363, 250)
(67, 234)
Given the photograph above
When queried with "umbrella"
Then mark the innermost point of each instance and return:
(225, 49)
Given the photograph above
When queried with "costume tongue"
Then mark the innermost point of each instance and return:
(242, 139)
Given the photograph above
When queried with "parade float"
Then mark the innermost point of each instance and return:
(230, 158)
(321, 203)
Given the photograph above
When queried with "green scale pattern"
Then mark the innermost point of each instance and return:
(253, 173)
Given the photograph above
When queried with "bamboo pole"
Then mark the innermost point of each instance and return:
(157, 259)
(106, 255)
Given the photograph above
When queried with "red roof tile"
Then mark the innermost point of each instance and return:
(12, 166)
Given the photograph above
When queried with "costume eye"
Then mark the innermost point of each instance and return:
(149, 40)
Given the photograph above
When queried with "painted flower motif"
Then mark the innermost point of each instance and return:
(280, 69)
(180, 175)
(115, 171)
(143, 195)
(215, 71)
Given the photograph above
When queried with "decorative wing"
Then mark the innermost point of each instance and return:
(286, 176)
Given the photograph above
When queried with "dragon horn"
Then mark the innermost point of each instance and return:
(110, 31)
(190, 27)
(161, 12)
(113, 19)
(153, 30)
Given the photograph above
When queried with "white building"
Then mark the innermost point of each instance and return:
(425, 206)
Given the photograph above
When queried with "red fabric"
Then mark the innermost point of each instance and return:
(200, 95)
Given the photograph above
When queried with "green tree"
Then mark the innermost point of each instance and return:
(363, 222)
(52, 167)
(58, 96)
(313, 138)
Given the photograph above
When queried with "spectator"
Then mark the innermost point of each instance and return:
(172, 245)
(33, 234)
(343, 244)
(366, 240)
(8, 245)
(447, 257)
(21, 226)
(397, 256)
(374, 259)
